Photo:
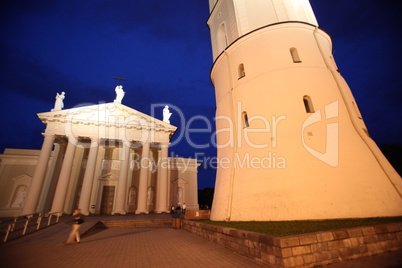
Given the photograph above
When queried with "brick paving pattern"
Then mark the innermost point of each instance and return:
(139, 247)
(118, 247)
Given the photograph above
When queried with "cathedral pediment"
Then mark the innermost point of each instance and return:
(106, 121)
(107, 114)
(179, 181)
(109, 177)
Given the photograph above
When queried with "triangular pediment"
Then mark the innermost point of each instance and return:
(24, 178)
(179, 181)
(107, 114)
(109, 177)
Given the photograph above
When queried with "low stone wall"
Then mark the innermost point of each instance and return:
(307, 250)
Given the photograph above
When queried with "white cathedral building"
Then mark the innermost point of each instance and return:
(104, 159)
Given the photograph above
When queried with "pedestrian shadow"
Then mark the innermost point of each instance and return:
(127, 232)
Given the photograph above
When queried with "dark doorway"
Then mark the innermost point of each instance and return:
(107, 200)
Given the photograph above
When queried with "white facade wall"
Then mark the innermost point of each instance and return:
(18, 165)
(129, 160)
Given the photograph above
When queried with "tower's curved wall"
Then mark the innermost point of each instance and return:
(304, 152)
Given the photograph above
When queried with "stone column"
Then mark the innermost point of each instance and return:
(46, 199)
(62, 184)
(121, 192)
(39, 175)
(88, 178)
(143, 182)
(161, 191)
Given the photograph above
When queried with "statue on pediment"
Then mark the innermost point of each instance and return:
(166, 114)
(119, 93)
(58, 105)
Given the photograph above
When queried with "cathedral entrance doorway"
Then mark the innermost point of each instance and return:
(107, 200)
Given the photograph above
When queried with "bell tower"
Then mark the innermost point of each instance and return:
(292, 144)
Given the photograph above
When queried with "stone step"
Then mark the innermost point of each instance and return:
(135, 223)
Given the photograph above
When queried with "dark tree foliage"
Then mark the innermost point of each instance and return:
(393, 152)
(205, 198)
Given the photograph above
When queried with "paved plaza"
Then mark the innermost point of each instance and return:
(137, 247)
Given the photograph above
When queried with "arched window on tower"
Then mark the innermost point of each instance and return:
(241, 71)
(308, 104)
(245, 120)
(222, 41)
(295, 55)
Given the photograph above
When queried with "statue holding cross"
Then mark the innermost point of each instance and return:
(119, 94)
(119, 90)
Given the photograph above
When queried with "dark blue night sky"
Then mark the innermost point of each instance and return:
(163, 50)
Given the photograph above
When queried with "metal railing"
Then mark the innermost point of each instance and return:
(23, 224)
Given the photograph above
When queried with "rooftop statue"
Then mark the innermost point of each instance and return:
(119, 93)
(58, 105)
(166, 114)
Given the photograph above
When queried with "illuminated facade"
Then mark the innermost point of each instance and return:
(103, 159)
(292, 143)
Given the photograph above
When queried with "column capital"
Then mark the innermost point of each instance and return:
(73, 140)
(164, 144)
(94, 141)
(146, 144)
(126, 142)
(88, 142)
(49, 135)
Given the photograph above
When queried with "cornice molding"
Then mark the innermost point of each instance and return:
(107, 115)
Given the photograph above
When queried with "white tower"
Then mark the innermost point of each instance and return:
(291, 142)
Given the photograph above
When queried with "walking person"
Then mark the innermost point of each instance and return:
(78, 219)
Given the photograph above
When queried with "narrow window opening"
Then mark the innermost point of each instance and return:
(295, 55)
(357, 110)
(245, 120)
(241, 71)
(366, 131)
(308, 104)
(222, 41)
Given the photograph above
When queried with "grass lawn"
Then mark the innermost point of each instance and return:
(283, 228)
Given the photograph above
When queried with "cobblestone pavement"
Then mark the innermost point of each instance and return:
(118, 247)
(138, 247)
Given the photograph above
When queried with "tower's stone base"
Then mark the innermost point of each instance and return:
(307, 250)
